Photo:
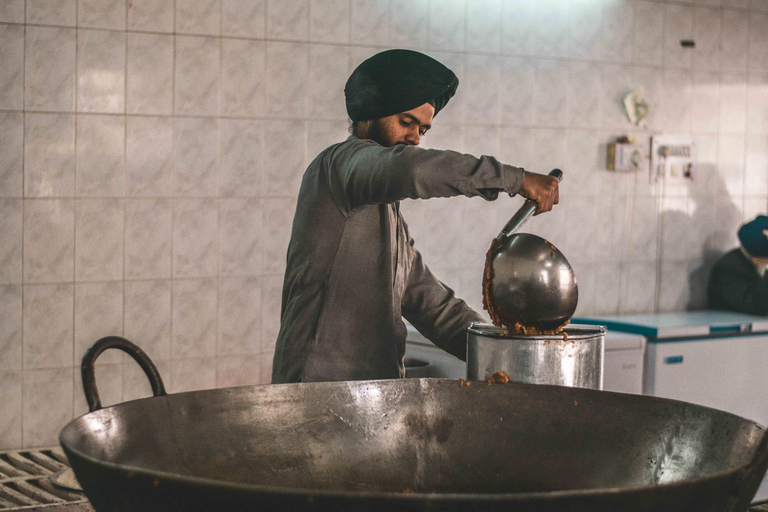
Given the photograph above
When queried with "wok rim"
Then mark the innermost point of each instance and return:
(407, 496)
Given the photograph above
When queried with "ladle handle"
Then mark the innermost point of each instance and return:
(525, 211)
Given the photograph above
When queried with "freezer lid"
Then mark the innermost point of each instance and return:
(686, 324)
(616, 340)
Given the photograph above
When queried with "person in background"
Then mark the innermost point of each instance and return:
(739, 281)
(352, 272)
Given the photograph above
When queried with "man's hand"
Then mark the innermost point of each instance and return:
(541, 188)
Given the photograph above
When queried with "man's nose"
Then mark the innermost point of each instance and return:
(413, 137)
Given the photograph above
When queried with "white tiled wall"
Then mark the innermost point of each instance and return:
(151, 150)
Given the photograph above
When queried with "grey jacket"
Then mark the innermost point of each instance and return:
(352, 272)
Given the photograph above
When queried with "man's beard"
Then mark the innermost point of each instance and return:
(377, 132)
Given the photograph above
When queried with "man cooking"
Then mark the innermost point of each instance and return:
(352, 272)
(739, 281)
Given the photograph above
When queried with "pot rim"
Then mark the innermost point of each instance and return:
(573, 332)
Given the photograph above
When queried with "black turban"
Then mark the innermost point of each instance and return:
(752, 237)
(395, 81)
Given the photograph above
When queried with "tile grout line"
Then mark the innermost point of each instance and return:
(124, 198)
(218, 190)
(659, 187)
(74, 207)
(746, 113)
(173, 199)
(23, 203)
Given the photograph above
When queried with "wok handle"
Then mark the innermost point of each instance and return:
(525, 211)
(89, 372)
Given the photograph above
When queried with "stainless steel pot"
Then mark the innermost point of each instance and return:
(572, 358)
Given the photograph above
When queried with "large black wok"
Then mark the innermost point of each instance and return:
(412, 444)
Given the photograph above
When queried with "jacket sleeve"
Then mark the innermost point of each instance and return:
(435, 311)
(734, 286)
(363, 172)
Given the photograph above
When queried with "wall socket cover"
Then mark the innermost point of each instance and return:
(628, 157)
(673, 158)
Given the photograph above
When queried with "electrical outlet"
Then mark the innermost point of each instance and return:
(673, 159)
(627, 157)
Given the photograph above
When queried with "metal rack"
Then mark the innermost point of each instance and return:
(25, 479)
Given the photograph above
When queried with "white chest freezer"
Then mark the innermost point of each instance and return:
(714, 358)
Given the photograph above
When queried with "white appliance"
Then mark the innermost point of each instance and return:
(713, 358)
(424, 359)
(622, 364)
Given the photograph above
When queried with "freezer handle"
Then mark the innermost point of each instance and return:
(730, 329)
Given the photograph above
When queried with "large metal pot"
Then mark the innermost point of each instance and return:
(573, 357)
(410, 444)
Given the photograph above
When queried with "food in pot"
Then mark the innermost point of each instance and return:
(499, 378)
(487, 280)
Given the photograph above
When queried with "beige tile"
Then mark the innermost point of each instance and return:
(244, 18)
(49, 68)
(149, 74)
(329, 21)
(238, 371)
(99, 235)
(12, 71)
(100, 156)
(49, 155)
(11, 328)
(195, 303)
(48, 397)
(110, 14)
(48, 326)
(148, 317)
(11, 410)
(198, 17)
(49, 240)
(287, 86)
(11, 243)
(148, 238)
(46, 12)
(151, 15)
(98, 313)
(241, 240)
(288, 19)
(192, 375)
(196, 157)
(198, 69)
(195, 238)
(239, 316)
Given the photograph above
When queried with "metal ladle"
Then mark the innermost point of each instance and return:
(528, 285)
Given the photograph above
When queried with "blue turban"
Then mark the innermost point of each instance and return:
(752, 237)
(395, 81)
